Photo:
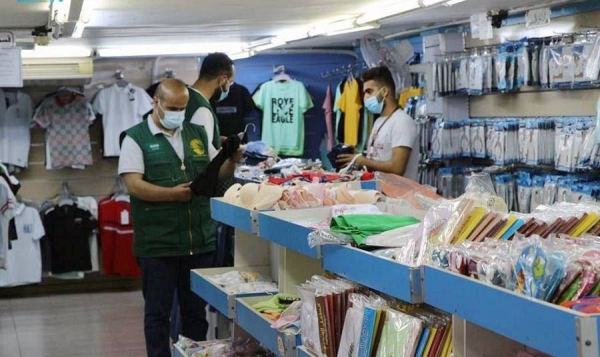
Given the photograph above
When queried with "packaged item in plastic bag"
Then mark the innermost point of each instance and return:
(400, 335)
(325, 236)
(399, 237)
(310, 320)
(593, 65)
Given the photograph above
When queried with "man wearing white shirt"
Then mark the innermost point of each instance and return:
(216, 77)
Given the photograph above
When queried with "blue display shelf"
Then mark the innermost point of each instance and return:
(260, 328)
(384, 275)
(538, 324)
(234, 216)
(216, 296)
(280, 227)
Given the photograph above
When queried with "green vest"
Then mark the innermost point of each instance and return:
(196, 102)
(163, 229)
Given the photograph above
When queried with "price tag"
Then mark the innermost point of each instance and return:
(538, 17)
(124, 218)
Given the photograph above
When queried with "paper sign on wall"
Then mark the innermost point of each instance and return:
(11, 74)
(481, 26)
(538, 17)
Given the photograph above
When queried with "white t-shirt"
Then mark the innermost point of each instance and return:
(121, 108)
(399, 131)
(15, 120)
(204, 117)
(24, 260)
(8, 209)
(132, 157)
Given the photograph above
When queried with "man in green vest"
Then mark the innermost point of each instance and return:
(173, 229)
(217, 74)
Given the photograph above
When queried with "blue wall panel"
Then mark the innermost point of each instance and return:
(306, 68)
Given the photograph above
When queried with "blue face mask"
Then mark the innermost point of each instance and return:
(373, 105)
(171, 120)
(224, 93)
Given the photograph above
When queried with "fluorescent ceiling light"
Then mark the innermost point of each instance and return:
(241, 55)
(291, 36)
(267, 46)
(169, 50)
(426, 3)
(388, 9)
(332, 27)
(355, 29)
(57, 52)
(453, 2)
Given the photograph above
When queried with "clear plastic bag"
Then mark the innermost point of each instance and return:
(593, 65)
(392, 239)
(310, 320)
(400, 335)
(324, 237)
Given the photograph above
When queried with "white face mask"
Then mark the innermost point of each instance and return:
(172, 119)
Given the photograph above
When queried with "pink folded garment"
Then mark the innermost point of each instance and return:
(343, 197)
(366, 196)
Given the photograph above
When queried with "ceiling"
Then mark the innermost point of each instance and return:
(117, 23)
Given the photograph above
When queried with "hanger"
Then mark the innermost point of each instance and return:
(65, 197)
(121, 82)
(280, 75)
(121, 193)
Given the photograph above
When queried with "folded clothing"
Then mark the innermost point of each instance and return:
(276, 305)
(361, 226)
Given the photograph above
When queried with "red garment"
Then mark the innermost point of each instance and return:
(116, 236)
(309, 176)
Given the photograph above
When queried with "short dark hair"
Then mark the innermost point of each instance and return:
(214, 65)
(382, 76)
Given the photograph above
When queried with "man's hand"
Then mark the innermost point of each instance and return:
(344, 159)
(238, 156)
(182, 193)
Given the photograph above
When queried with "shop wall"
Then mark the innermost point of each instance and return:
(567, 19)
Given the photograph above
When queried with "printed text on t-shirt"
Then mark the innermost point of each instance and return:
(283, 110)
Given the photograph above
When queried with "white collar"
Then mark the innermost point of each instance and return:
(155, 130)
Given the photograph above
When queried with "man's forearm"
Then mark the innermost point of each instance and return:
(148, 192)
(227, 170)
(382, 166)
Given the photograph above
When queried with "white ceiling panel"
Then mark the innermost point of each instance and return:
(139, 22)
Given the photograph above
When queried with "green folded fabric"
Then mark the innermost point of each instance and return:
(361, 226)
(277, 303)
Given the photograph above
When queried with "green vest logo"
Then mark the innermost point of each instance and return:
(197, 147)
(154, 147)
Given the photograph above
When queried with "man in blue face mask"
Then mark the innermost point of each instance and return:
(217, 74)
(393, 144)
(173, 229)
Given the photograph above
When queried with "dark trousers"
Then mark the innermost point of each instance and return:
(161, 278)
